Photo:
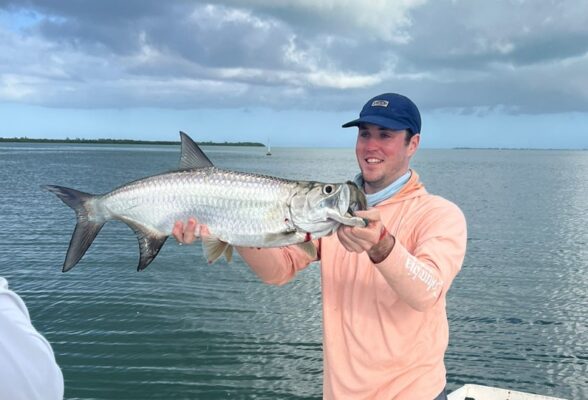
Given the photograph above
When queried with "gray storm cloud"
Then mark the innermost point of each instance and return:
(518, 56)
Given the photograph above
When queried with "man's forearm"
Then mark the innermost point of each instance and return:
(275, 266)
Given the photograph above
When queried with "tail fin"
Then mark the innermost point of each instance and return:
(85, 231)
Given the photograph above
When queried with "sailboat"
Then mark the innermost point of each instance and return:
(269, 149)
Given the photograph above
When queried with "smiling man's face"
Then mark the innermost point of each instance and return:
(383, 155)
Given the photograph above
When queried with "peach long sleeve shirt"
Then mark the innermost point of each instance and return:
(385, 325)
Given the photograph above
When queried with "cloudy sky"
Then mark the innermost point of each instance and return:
(484, 73)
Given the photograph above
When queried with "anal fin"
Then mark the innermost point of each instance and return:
(150, 243)
(149, 248)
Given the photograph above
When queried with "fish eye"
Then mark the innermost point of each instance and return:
(328, 189)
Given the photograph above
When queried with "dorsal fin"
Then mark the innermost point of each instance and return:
(192, 156)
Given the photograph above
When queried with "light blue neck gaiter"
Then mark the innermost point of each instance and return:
(387, 192)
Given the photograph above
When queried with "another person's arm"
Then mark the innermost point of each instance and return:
(276, 266)
(28, 369)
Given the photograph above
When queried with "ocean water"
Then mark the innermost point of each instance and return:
(184, 329)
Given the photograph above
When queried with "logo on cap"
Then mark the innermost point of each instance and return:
(380, 103)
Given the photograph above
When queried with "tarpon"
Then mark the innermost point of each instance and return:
(239, 208)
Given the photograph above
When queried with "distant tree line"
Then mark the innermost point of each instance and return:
(122, 141)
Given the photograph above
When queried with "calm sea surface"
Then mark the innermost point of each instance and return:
(184, 329)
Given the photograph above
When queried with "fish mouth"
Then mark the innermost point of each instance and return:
(349, 199)
(357, 200)
(336, 204)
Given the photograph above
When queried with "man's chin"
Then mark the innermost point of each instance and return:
(370, 177)
(370, 185)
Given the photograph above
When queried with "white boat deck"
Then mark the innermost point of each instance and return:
(478, 392)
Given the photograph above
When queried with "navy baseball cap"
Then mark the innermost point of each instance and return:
(389, 110)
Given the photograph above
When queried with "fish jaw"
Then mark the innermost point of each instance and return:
(346, 220)
(351, 199)
(319, 212)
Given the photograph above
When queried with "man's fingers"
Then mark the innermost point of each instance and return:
(190, 231)
(178, 231)
(187, 233)
(358, 239)
(348, 241)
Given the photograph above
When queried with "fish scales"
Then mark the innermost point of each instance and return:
(236, 206)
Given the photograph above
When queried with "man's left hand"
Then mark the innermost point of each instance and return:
(358, 239)
(373, 238)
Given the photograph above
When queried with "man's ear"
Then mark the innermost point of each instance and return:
(413, 145)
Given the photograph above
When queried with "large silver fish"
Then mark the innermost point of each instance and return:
(239, 208)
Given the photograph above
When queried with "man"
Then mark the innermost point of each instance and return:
(27, 365)
(383, 286)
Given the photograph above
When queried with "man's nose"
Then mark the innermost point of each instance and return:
(372, 143)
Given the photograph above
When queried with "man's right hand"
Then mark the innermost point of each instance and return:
(187, 233)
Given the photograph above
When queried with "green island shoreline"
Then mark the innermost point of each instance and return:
(123, 141)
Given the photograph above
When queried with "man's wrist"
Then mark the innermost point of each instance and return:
(383, 248)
